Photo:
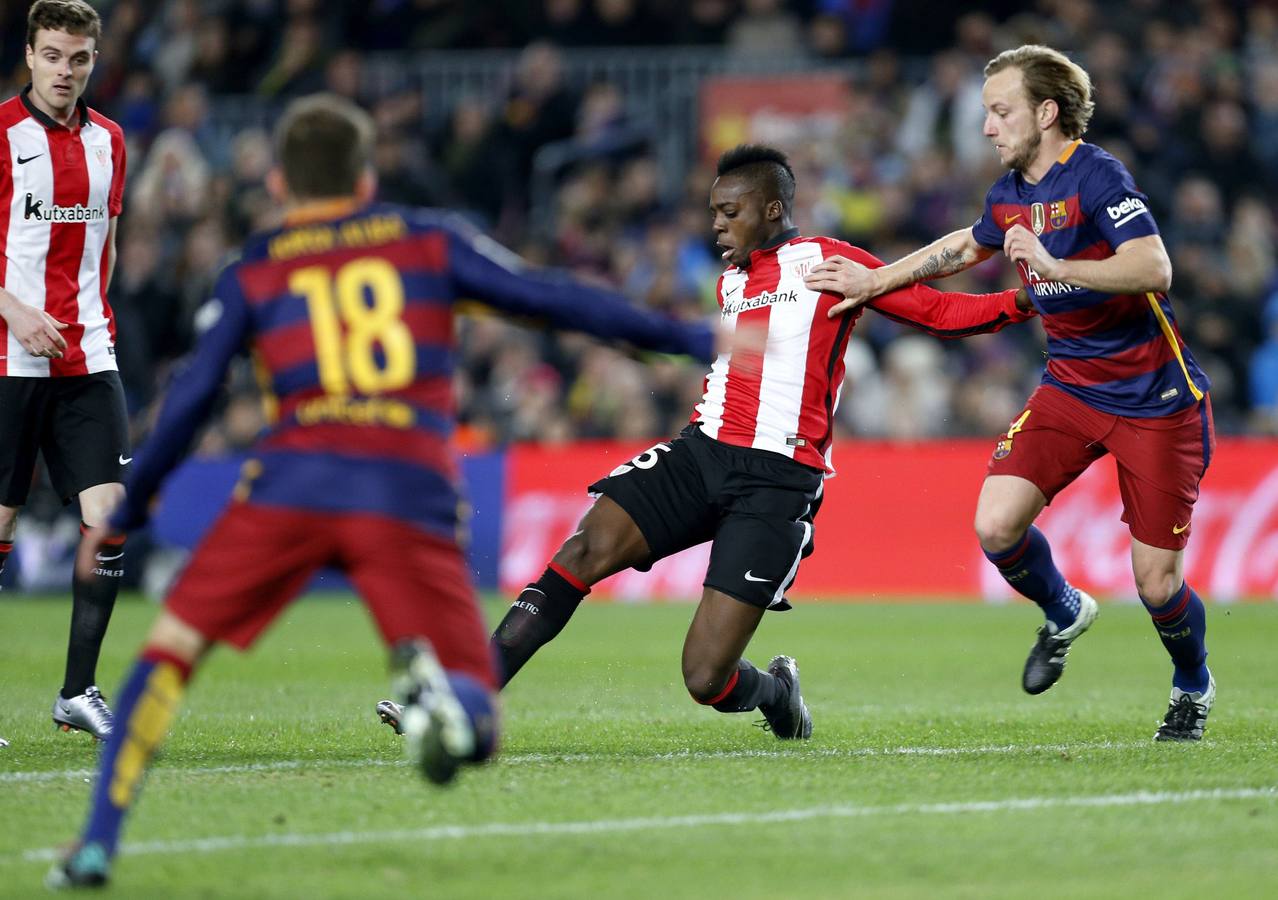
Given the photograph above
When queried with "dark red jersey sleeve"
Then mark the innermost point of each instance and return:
(945, 314)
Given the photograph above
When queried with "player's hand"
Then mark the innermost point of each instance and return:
(840, 275)
(1023, 246)
(86, 557)
(35, 329)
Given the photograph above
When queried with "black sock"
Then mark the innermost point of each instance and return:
(92, 600)
(6, 547)
(749, 689)
(540, 613)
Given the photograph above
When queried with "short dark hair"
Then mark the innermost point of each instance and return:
(323, 143)
(72, 16)
(767, 167)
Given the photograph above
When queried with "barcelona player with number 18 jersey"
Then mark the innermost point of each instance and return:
(348, 311)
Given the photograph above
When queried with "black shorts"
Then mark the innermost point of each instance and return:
(757, 507)
(78, 422)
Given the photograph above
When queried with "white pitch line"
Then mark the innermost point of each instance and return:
(284, 765)
(662, 823)
(279, 765)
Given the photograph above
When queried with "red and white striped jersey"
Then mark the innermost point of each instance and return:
(59, 190)
(783, 398)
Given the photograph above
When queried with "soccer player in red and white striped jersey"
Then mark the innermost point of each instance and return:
(747, 472)
(61, 185)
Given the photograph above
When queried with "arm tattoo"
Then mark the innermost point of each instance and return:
(949, 262)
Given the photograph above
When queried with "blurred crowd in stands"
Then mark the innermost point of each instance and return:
(1187, 96)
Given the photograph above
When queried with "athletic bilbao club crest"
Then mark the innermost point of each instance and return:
(1037, 219)
(103, 157)
(1057, 214)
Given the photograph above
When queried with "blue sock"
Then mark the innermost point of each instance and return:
(1029, 569)
(143, 710)
(1182, 627)
(477, 701)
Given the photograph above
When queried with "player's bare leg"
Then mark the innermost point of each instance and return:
(80, 706)
(717, 675)
(1005, 513)
(1005, 510)
(146, 706)
(1181, 621)
(606, 542)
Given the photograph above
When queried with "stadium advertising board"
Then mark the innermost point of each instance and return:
(789, 111)
(897, 524)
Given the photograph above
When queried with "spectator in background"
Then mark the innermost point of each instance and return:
(943, 114)
(477, 167)
(1264, 372)
(766, 29)
(298, 65)
(539, 107)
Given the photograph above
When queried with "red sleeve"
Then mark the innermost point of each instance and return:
(950, 314)
(945, 314)
(115, 201)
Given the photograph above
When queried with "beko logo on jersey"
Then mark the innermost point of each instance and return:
(36, 210)
(767, 298)
(1124, 212)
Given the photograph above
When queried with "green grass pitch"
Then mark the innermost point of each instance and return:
(930, 774)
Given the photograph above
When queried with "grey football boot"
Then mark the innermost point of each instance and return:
(390, 713)
(84, 712)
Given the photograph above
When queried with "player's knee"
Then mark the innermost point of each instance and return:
(8, 522)
(997, 528)
(98, 502)
(1157, 587)
(174, 636)
(704, 681)
(589, 553)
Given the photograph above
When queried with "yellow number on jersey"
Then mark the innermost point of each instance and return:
(337, 299)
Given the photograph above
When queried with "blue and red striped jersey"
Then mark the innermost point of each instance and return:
(349, 319)
(1121, 353)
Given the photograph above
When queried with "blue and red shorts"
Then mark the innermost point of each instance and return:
(256, 559)
(1160, 460)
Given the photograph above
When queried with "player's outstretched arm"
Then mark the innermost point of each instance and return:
(1138, 265)
(955, 252)
(490, 273)
(187, 402)
(954, 314)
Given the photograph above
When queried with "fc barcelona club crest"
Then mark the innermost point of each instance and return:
(1057, 214)
(1037, 219)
